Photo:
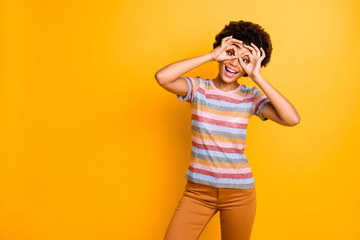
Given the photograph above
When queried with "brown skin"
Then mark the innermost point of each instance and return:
(278, 110)
(227, 54)
(247, 59)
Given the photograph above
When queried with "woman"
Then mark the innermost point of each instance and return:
(219, 176)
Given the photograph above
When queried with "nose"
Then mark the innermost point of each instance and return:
(239, 52)
(235, 62)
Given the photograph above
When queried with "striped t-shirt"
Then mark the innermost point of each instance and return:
(218, 132)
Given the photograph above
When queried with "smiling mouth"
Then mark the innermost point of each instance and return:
(230, 71)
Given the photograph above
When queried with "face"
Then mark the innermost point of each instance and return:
(233, 65)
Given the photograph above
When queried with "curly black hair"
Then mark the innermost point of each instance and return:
(247, 32)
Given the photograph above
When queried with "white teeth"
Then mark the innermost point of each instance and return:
(230, 70)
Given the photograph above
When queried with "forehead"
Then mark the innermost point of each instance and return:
(237, 46)
(241, 50)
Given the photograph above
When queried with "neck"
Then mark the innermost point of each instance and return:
(224, 86)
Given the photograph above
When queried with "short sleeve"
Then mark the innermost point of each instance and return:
(193, 86)
(260, 101)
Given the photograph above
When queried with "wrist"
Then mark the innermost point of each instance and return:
(210, 56)
(256, 77)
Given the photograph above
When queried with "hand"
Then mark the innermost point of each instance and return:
(227, 50)
(252, 68)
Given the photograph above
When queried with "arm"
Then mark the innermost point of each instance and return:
(279, 109)
(168, 74)
(173, 71)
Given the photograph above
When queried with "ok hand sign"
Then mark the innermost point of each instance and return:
(252, 68)
(227, 50)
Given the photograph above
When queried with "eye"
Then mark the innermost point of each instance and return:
(232, 53)
(245, 60)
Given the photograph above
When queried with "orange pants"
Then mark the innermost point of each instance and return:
(200, 202)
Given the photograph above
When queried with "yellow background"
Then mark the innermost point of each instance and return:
(91, 147)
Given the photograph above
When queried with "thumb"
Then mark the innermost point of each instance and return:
(241, 63)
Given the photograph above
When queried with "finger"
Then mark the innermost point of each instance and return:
(248, 56)
(241, 49)
(238, 44)
(238, 48)
(258, 53)
(234, 51)
(225, 39)
(237, 51)
(242, 64)
(250, 48)
(245, 58)
(263, 53)
(228, 38)
(230, 47)
(236, 40)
